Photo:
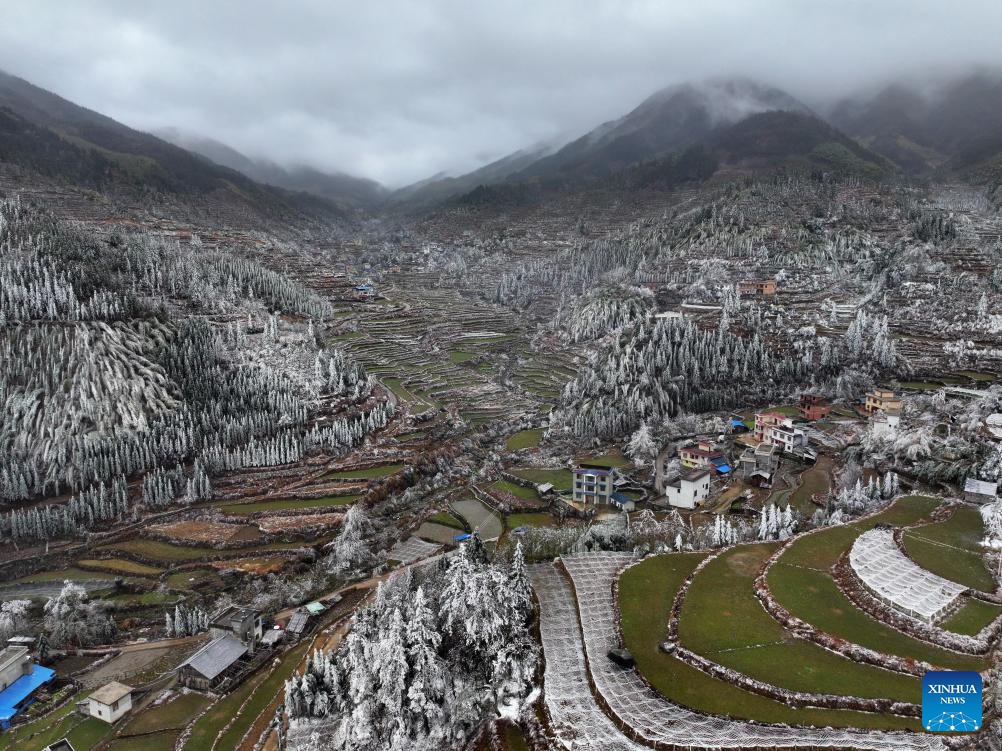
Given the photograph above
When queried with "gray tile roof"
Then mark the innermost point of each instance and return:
(216, 656)
(297, 624)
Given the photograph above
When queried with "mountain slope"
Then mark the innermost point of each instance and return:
(668, 121)
(71, 144)
(954, 127)
(338, 187)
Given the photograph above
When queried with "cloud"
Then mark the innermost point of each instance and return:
(399, 89)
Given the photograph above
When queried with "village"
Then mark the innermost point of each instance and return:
(735, 534)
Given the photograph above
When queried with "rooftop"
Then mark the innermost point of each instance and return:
(12, 654)
(233, 613)
(12, 696)
(972, 485)
(216, 656)
(695, 474)
(592, 467)
(297, 623)
(109, 693)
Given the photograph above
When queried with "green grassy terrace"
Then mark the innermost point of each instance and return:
(645, 596)
(722, 619)
(800, 582)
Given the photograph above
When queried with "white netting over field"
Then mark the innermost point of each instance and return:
(649, 716)
(895, 579)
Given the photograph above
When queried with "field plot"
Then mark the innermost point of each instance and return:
(288, 504)
(800, 581)
(561, 479)
(645, 597)
(208, 531)
(952, 549)
(524, 439)
(120, 566)
(649, 716)
(723, 620)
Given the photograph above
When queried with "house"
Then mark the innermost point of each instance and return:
(212, 664)
(761, 460)
(622, 501)
(365, 291)
(20, 680)
(690, 489)
(299, 622)
(738, 426)
(883, 400)
(243, 623)
(755, 287)
(777, 429)
(884, 423)
(979, 491)
(704, 455)
(60, 745)
(813, 407)
(110, 702)
(593, 483)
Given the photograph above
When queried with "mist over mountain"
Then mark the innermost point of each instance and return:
(60, 140)
(342, 189)
(955, 125)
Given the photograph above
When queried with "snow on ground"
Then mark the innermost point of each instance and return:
(648, 715)
(896, 579)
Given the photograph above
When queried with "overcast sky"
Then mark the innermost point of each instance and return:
(397, 90)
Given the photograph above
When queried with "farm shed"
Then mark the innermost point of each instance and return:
(212, 664)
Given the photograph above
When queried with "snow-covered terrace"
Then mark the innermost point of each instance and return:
(897, 580)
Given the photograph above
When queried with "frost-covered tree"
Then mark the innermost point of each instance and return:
(13, 618)
(641, 447)
(72, 619)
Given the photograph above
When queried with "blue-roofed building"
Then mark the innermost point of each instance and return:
(20, 679)
(721, 464)
(622, 501)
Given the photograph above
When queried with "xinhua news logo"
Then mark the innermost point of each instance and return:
(951, 701)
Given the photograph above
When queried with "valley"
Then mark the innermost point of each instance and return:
(597, 452)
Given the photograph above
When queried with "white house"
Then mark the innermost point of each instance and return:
(110, 702)
(885, 423)
(689, 490)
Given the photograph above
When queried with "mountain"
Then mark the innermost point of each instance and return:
(61, 141)
(668, 121)
(665, 123)
(441, 186)
(338, 187)
(954, 126)
(780, 138)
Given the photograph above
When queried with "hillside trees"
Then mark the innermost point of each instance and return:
(434, 656)
(109, 371)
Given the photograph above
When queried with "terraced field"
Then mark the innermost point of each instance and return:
(433, 347)
(952, 549)
(800, 581)
(722, 619)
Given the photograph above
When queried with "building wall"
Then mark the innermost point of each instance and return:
(112, 713)
(597, 490)
(14, 671)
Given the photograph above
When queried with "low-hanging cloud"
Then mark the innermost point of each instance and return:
(398, 90)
